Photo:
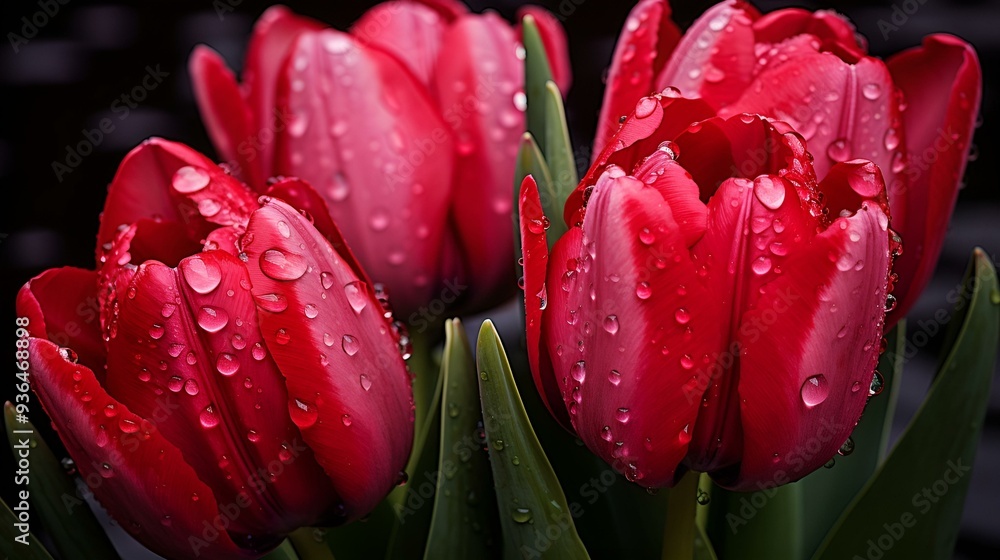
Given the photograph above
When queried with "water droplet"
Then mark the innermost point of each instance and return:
(168, 310)
(815, 390)
(175, 384)
(622, 415)
(201, 275)
(346, 420)
(521, 515)
(615, 377)
(311, 311)
(189, 180)
(890, 303)
(646, 237)
(379, 220)
(579, 371)
(838, 150)
(703, 498)
(877, 384)
(871, 91)
(687, 362)
(357, 295)
(761, 265)
(643, 291)
(645, 107)
(847, 448)
(611, 324)
(891, 139)
(350, 345)
(68, 354)
(273, 303)
(303, 414)
(212, 319)
(258, 352)
(684, 436)
(366, 383)
(770, 192)
(682, 316)
(281, 336)
(191, 387)
(208, 417)
(227, 364)
(282, 266)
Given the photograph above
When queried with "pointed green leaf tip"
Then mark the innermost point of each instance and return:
(464, 522)
(537, 73)
(60, 509)
(911, 508)
(535, 519)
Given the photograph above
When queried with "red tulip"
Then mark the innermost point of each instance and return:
(913, 115)
(408, 125)
(216, 400)
(713, 306)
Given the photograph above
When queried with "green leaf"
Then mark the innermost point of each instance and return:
(535, 518)
(464, 522)
(763, 524)
(537, 73)
(412, 501)
(560, 159)
(74, 531)
(912, 506)
(10, 548)
(365, 539)
(531, 162)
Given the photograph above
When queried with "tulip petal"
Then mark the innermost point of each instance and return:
(843, 111)
(410, 31)
(836, 33)
(535, 251)
(654, 120)
(134, 471)
(188, 354)
(61, 306)
(643, 49)
(554, 39)
(715, 58)
(273, 36)
(301, 196)
(478, 76)
(942, 84)
(678, 189)
(227, 117)
(367, 154)
(142, 186)
(349, 391)
(450, 10)
(808, 390)
(637, 306)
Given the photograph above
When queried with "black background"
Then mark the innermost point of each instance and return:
(67, 77)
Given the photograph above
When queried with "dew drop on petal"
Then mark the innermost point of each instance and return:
(814, 390)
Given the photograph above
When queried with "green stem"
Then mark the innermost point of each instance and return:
(701, 513)
(678, 536)
(309, 546)
(426, 371)
(285, 551)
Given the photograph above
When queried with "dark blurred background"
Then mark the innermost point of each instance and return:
(69, 74)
